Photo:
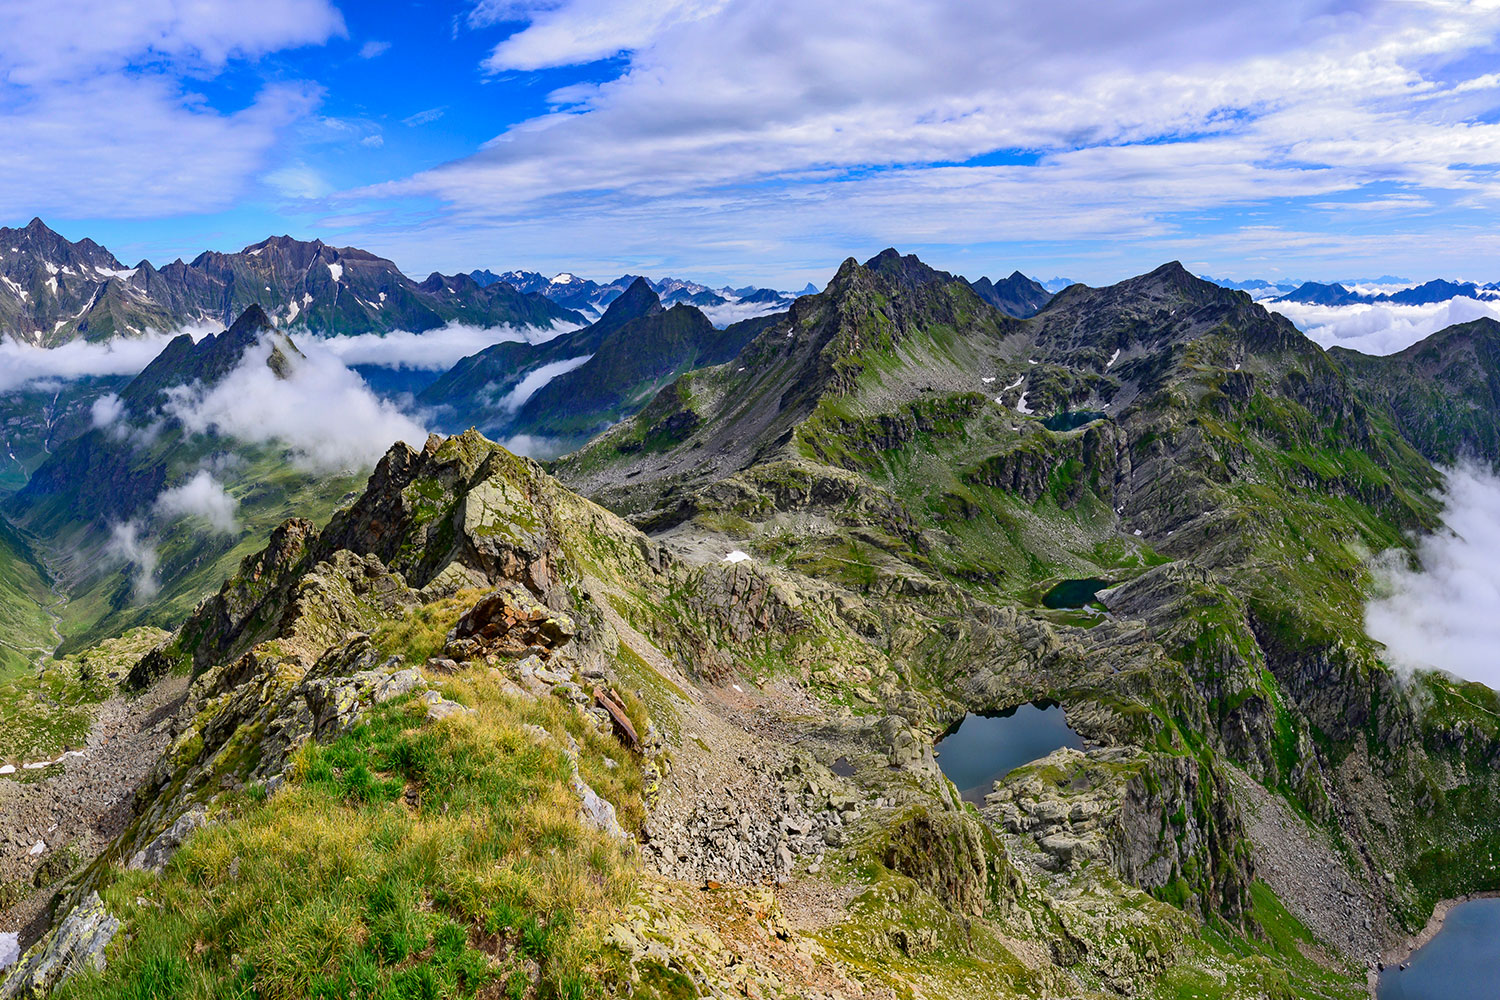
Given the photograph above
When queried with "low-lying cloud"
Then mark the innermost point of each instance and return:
(733, 312)
(23, 366)
(126, 545)
(105, 410)
(432, 350)
(1382, 327)
(323, 412)
(535, 379)
(201, 496)
(1443, 615)
(533, 446)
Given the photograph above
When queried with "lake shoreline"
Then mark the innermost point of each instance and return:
(1404, 949)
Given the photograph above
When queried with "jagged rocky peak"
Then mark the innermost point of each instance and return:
(206, 361)
(908, 271)
(636, 301)
(459, 512)
(36, 239)
(1016, 295)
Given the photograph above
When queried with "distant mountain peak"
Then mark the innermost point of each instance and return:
(253, 318)
(1017, 295)
(637, 300)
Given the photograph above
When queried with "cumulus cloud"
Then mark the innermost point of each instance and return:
(1442, 615)
(1381, 328)
(749, 130)
(322, 412)
(431, 350)
(201, 496)
(127, 546)
(535, 379)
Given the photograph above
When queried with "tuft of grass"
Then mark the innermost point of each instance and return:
(403, 860)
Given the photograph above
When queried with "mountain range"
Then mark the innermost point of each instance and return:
(668, 715)
(53, 291)
(587, 296)
(1427, 293)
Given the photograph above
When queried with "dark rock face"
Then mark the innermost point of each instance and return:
(79, 290)
(1017, 295)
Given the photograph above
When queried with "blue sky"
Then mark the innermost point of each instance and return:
(764, 141)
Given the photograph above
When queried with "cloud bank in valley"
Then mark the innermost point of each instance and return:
(323, 412)
(431, 350)
(23, 366)
(733, 312)
(1442, 616)
(1381, 328)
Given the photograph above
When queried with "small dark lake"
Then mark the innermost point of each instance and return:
(1074, 593)
(1459, 964)
(1069, 419)
(984, 748)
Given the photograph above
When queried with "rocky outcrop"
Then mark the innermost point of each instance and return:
(77, 944)
(953, 857)
(508, 622)
(1164, 823)
(1066, 465)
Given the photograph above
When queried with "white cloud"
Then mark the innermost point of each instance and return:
(423, 117)
(22, 364)
(100, 120)
(746, 130)
(733, 312)
(323, 412)
(1443, 616)
(431, 350)
(1381, 328)
(202, 496)
(582, 31)
(105, 410)
(373, 48)
(535, 379)
(533, 446)
(298, 180)
(126, 546)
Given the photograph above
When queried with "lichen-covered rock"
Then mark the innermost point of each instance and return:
(76, 944)
(155, 855)
(440, 708)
